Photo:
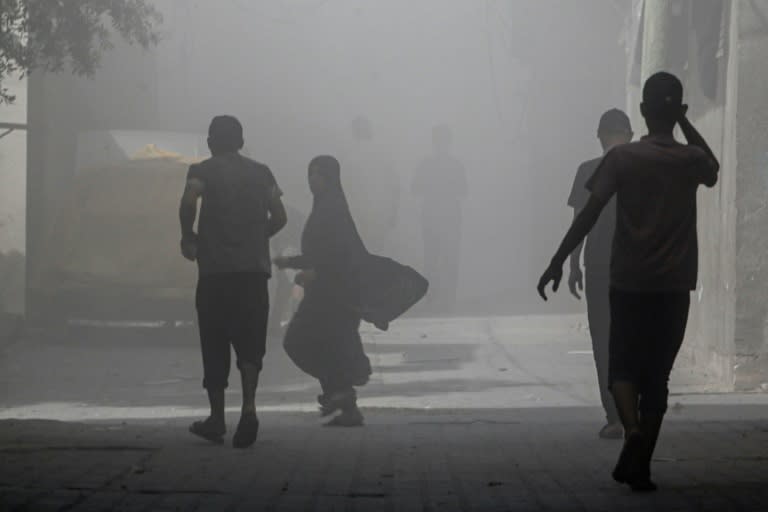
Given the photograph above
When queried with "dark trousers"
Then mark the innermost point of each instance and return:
(232, 308)
(442, 253)
(647, 330)
(596, 290)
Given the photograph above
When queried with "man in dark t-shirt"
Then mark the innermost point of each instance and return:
(654, 263)
(613, 129)
(240, 211)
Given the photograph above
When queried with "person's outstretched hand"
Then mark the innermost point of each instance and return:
(576, 282)
(305, 278)
(553, 274)
(281, 262)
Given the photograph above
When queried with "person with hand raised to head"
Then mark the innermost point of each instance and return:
(654, 263)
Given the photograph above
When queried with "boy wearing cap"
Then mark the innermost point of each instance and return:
(613, 129)
(240, 211)
(654, 263)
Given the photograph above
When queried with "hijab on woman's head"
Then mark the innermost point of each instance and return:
(329, 169)
(330, 218)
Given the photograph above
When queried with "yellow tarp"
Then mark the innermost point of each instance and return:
(120, 227)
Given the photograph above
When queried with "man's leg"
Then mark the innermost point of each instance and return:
(627, 318)
(215, 349)
(624, 329)
(249, 337)
(597, 288)
(249, 377)
(671, 321)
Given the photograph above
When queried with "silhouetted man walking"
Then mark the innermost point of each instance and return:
(613, 129)
(654, 264)
(440, 183)
(241, 209)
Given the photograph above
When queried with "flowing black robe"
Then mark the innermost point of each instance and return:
(351, 284)
(323, 337)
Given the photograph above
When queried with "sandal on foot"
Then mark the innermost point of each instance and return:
(351, 418)
(627, 459)
(247, 431)
(209, 430)
(336, 402)
(644, 484)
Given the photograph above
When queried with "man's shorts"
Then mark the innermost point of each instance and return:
(231, 308)
(647, 330)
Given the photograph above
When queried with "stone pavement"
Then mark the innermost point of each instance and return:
(466, 414)
(464, 460)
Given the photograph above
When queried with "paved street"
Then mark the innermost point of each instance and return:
(467, 414)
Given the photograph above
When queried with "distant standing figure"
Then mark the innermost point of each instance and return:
(241, 210)
(654, 264)
(440, 184)
(613, 129)
(323, 338)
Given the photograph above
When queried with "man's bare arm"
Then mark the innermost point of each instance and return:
(582, 225)
(188, 207)
(576, 254)
(695, 138)
(278, 217)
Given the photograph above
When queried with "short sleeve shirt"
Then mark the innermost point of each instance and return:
(234, 215)
(655, 179)
(597, 248)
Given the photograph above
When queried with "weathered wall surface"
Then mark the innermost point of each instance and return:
(751, 341)
(710, 346)
(297, 85)
(708, 349)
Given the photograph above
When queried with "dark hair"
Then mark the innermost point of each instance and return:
(614, 121)
(662, 96)
(225, 134)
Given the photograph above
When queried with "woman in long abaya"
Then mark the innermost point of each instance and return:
(323, 337)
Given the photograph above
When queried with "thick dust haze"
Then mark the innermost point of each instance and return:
(336, 212)
(519, 85)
